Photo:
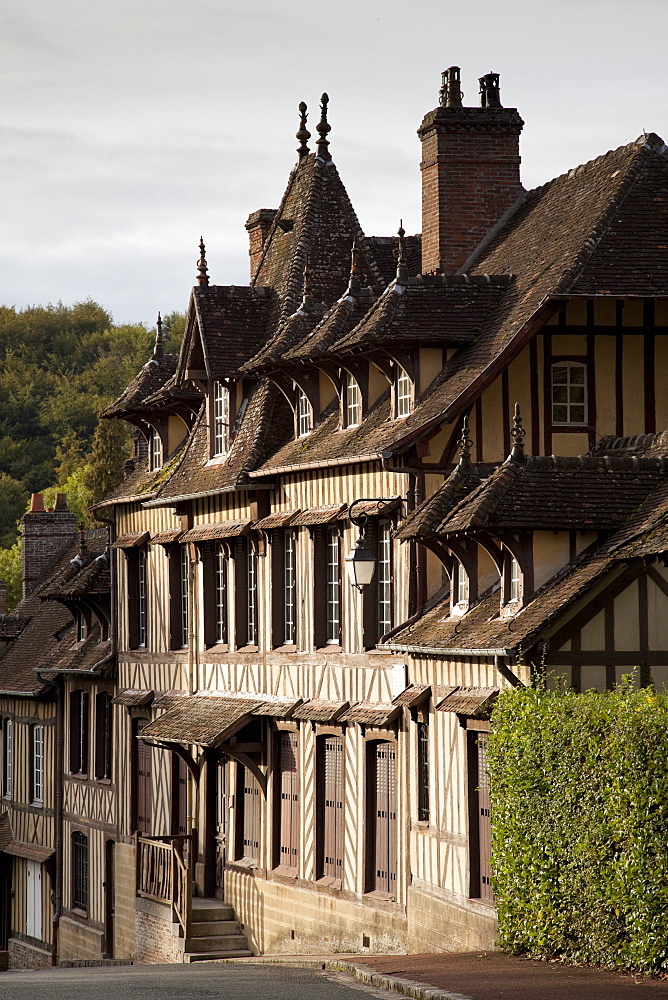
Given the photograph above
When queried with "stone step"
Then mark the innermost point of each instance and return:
(211, 909)
(217, 943)
(194, 956)
(208, 928)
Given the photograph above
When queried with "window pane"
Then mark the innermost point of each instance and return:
(577, 414)
(403, 393)
(560, 394)
(220, 419)
(353, 402)
(221, 594)
(559, 376)
(290, 584)
(185, 572)
(569, 393)
(251, 580)
(384, 578)
(333, 587)
(304, 421)
(560, 414)
(577, 375)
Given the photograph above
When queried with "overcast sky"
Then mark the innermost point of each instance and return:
(129, 129)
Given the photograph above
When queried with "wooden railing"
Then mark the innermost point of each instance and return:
(164, 874)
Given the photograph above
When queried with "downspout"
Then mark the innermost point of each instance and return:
(507, 673)
(58, 804)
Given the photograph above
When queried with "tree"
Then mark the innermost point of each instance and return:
(11, 571)
(104, 469)
(13, 499)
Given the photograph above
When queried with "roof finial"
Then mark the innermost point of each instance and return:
(323, 127)
(202, 269)
(465, 443)
(450, 95)
(402, 264)
(158, 349)
(517, 434)
(354, 283)
(303, 134)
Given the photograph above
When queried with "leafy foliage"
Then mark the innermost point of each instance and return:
(580, 825)
(11, 571)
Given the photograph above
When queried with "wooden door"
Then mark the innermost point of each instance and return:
(34, 900)
(384, 878)
(484, 820)
(108, 886)
(289, 801)
(332, 809)
(142, 778)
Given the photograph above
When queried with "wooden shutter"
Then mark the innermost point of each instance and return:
(319, 586)
(132, 567)
(179, 796)
(332, 809)
(175, 622)
(423, 771)
(251, 807)
(386, 819)
(289, 805)
(277, 587)
(484, 820)
(240, 593)
(75, 738)
(143, 817)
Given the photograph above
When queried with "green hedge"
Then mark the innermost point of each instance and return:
(580, 825)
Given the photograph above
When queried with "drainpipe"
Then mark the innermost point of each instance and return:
(506, 672)
(58, 804)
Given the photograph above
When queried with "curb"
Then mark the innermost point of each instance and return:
(395, 984)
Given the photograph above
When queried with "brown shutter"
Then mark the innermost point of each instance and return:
(484, 820)
(99, 736)
(209, 593)
(251, 816)
(132, 565)
(386, 819)
(289, 790)
(332, 817)
(423, 771)
(370, 594)
(319, 586)
(277, 588)
(143, 780)
(240, 592)
(75, 740)
(179, 796)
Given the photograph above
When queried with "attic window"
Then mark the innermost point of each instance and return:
(304, 414)
(569, 393)
(154, 450)
(221, 419)
(403, 393)
(352, 402)
(286, 225)
(81, 626)
(460, 588)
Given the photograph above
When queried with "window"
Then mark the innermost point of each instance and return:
(480, 824)
(247, 833)
(287, 859)
(304, 414)
(512, 579)
(333, 587)
(179, 595)
(154, 450)
(79, 732)
(220, 591)
(329, 866)
(352, 402)
(221, 419)
(290, 586)
(514, 574)
(141, 805)
(8, 775)
(381, 866)
(37, 782)
(423, 771)
(384, 578)
(459, 584)
(103, 736)
(80, 872)
(402, 393)
(81, 626)
(137, 605)
(251, 593)
(569, 393)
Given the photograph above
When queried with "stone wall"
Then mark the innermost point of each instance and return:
(158, 938)
(23, 955)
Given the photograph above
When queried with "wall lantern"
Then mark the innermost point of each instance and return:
(360, 562)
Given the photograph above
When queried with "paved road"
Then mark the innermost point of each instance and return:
(178, 982)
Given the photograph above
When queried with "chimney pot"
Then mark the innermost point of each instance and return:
(490, 93)
(36, 503)
(451, 94)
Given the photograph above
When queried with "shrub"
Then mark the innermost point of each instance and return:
(580, 825)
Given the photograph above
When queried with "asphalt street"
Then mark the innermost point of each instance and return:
(179, 982)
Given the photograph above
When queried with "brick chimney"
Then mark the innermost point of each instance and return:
(258, 225)
(470, 171)
(46, 533)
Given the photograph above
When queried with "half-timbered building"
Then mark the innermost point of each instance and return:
(299, 748)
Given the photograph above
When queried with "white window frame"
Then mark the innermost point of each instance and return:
(81, 626)
(8, 763)
(142, 633)
(569, 386)
(220, 575)
(304, 414)
(37, 764)
(251, 591)
(221, 420)
(384, 577)
(184, 574)
(333, 587)
(352, 396)
(155, 450)
(403, 393)
(514, 580)
(290, 586)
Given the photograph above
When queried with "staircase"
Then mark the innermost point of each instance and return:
(214, 932)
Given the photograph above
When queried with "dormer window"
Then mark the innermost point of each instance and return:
(154, 450)
(569, 393)
(460, 588)
(403, 393)
(81, 626)
(352, 402)
(514, 579)
(304, 414)
(512, 582)
(221, 419)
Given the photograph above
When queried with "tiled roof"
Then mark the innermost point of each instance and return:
(11, 625)
(175, 391)
(385, 249)
(133, 697)
(148, 381)
(131, 540)
(167, 537)
(292, 331)
(233, 323)
(84, 573)
(318, 710)
(217, 529)
(265, 423)
(413, 695)
(206, 721)
(321, 515)
(426, 518)
(370, 713)
(37, 647)
(278, 520)
(343, 317)
(585, 493)
(83, 656)
(472, 701)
